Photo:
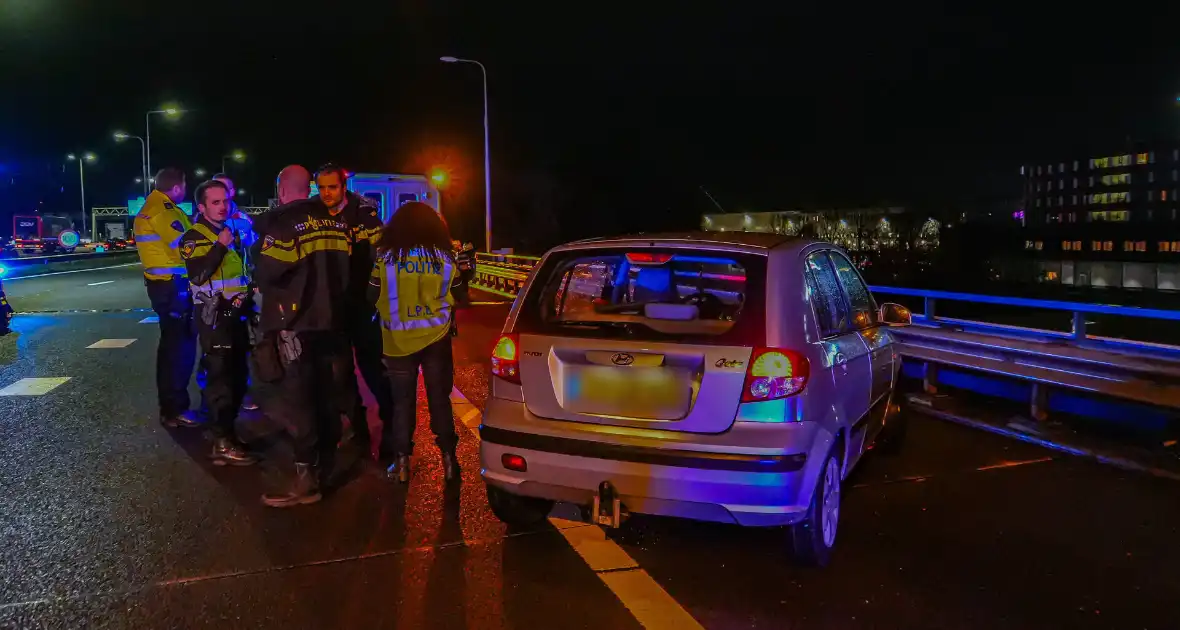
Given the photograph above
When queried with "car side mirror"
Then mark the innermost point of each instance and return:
(895, 315)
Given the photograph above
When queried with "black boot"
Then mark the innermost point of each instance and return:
(183, 420)
(303, 489)
(400, 469)
(450, 466)
(227, 452)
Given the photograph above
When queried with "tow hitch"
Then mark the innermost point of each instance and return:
(608, 509)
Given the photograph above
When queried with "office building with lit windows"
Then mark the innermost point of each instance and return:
(1108, 221)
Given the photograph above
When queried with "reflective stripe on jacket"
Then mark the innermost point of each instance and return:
(414, 302)
(213, 268)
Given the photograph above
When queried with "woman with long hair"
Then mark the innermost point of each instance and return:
(411, 287)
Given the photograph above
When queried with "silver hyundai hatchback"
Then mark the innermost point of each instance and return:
(729, 377)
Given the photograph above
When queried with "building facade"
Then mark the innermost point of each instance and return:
(1106, 221)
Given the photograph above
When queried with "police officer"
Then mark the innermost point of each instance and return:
(213, 257)
(303, 271)
(411, 284)
(238, 222)
(360, 326)
(159, 227)
(245, 237)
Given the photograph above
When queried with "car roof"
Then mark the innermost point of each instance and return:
(749, 241)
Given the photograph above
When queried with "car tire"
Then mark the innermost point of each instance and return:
(517, 510)
(813, 538)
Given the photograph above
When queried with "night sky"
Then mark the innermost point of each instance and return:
(605, 116)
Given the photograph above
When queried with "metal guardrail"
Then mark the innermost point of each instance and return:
(31, 265)
(1037, 360)
(502, 274)
(1043, 363)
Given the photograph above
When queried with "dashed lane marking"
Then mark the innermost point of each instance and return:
(647, 601)
(95, 284)
(151, 319)
(33, 386)
(104, 344)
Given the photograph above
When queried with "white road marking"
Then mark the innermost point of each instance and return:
(103, 344)
(95, 284)
(150, 319)
(647, 601)
(58, 273)
(33, 386)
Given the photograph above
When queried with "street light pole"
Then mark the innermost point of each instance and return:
(86, 157)
(237, 156)
(487, 151)
(147, 125)
(143, 157)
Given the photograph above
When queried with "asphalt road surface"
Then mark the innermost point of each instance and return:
(110, 521)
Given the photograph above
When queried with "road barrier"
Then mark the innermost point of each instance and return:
(502, 274)
(36, 265)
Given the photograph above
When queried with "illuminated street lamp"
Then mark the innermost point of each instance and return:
(170, 112)
(200, 172)
(119, 137)
(439, 177)
(237, 156)
(487, 157)
(86, 157)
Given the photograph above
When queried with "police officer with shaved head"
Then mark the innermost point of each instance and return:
(302, 271)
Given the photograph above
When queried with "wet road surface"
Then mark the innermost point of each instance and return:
(108, 520)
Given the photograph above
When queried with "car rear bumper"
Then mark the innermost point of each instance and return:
(652, 475)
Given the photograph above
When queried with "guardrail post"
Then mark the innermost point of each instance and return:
(1079, 326)
(928, 308)
(1039, 407)
(930, 378)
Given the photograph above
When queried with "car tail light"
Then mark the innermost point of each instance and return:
(506, 358)
(514, 462)
(775, 373)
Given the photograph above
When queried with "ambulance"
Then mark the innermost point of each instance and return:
(392, 191)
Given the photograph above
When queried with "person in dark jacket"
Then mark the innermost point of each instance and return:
(302, 272)
(217, 275)
(359, 326)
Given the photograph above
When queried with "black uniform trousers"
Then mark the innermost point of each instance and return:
(177, 350)
(306, 400)
(225, 344)
(363, 341)
(438, 374)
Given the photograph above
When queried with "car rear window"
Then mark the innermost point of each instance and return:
(675, 295)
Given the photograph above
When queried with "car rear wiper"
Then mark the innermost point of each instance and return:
(624, 326)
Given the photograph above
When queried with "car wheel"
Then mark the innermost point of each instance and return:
(514, 509)
(814, 537)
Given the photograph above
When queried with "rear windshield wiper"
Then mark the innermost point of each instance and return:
(624, 326)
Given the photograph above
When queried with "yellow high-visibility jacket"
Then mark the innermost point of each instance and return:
(159, 227)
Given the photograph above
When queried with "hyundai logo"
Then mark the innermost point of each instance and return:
(622, 358)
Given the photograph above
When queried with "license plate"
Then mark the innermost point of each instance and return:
(660, 393)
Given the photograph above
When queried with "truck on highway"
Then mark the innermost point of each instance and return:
(43, 235)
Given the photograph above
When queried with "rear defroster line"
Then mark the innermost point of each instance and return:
(647, 601)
